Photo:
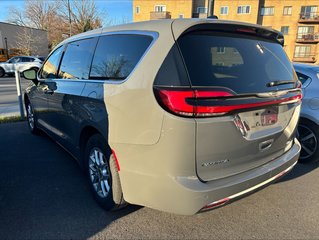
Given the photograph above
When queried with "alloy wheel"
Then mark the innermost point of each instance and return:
(99, 172)
(308, 141)
(30, 116)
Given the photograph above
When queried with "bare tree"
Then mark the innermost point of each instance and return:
(27, 41)
(84, 15)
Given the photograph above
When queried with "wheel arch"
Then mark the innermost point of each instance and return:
(85, 134)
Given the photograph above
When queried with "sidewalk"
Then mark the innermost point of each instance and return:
(11, 110)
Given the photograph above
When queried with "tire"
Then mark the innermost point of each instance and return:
(102, 174)
(31, 119)
(2, 72)
(308, 136)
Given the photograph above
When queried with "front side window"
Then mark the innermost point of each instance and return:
(224, 10)
(50, 67)
(243, 9)
(287, 11)
(116, 55)
(267, 11)
(77, 59)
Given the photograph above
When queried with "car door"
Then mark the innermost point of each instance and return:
(65, 103)
(45, 87)
(9, 65)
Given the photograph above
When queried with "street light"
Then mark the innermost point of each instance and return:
(6, 42)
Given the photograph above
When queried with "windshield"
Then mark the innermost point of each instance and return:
(239, 62)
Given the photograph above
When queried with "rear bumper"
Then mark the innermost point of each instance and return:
(188, 195)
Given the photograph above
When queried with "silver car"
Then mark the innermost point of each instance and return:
(308, 127)
(21, 63)
(178, 115)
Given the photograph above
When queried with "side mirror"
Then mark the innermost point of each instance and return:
(30, 74)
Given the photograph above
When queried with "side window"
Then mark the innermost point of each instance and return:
(303, 78)
(50, 67)
(77, 59)
(117, 55)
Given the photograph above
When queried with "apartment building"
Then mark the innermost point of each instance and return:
(298, 20)
(154, 9)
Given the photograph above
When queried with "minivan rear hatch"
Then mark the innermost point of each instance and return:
(244, 94)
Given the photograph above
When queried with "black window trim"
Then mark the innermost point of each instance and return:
(152, 34)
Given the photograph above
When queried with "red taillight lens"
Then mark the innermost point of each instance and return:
(176, 101)
(188, 102)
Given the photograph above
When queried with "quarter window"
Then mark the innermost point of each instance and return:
(287, 10)
(117, 55)
(243, 9)
(50, 67)
(77, 59)
(267, 11)
(224, 10)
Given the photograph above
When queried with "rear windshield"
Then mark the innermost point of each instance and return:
(242, 63)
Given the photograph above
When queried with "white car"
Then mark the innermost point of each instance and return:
(21, 63)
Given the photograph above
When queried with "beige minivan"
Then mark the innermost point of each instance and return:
(178, 115)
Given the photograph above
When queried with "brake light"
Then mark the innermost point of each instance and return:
(191, 103)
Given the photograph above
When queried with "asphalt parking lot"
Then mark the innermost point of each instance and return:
(44, 195)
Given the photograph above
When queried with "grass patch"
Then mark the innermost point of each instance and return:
(10, 119)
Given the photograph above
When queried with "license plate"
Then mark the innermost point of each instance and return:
(269, 117)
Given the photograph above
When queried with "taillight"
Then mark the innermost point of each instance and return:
(203, 103)
(177, 101)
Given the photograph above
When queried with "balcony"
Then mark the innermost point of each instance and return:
(309, 17)
(307, 38)
(306, 58)
(160, 15)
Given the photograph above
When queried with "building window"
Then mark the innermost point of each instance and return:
(302, 51)
(137, 9)
(267, 11)
(201, 10)
(309, 11)
(243, 9)
(221, 50)
(181, 15)
(284, 30)
(224, 10)
(287, 11)
(160, 8)
(306, 33)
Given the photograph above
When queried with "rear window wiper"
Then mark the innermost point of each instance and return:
(277, 83)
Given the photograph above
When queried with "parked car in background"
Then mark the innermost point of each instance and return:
(21, 63)
(178, 115)
(308, 128)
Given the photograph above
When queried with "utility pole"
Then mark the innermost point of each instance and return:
(70, 22)
(6, 42)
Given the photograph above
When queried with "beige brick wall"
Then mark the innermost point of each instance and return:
(232, 10)
(176, 7)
